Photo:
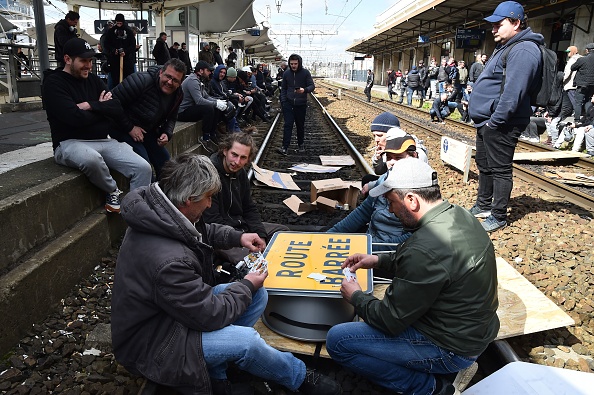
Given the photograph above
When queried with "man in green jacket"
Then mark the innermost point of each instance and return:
(439, 313)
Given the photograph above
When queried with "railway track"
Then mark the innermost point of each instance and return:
(535, 173)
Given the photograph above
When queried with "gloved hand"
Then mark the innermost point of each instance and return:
(221, 105)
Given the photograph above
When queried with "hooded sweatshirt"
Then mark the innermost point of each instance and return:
(523, 69)
(301, 78)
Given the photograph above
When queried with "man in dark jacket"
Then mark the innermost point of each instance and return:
(170, 321)
(174, 50)
(439, 313)
(499, 114)
(64, 30)
(440, 109)
(184, 56)
(413, 85)
(79, 111)
(150, 101)
(583, 80)
(297, 83)
(233, 204)
(477, 68)
(369, 84)
(217, 56)
(120, 44)
(205, 54)
(161, 49)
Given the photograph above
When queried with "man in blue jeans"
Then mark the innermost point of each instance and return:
(171, 322)
(439, 312)
(297, 83)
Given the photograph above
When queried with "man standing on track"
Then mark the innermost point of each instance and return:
(369, 84)
(501, 113)
(297, 83)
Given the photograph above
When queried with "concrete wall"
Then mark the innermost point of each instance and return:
(583, 19)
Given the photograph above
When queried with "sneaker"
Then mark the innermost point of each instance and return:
(301, 149)
(464, 376)
(479, 212)
(112, 201)
(445, 386)
(318, 384)
(491, 224)
(283, 151)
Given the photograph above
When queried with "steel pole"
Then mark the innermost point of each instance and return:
(41, 39)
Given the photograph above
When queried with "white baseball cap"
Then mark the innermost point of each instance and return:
(408, 173)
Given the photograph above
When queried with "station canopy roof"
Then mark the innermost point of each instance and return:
(438, 19)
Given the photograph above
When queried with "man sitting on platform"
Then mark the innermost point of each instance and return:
(79, 110)
(439, 312)
(233, 204)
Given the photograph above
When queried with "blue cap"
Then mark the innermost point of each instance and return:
(507, 9)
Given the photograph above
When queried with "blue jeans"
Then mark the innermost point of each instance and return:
(152, 152)
(241, 344)
(405, 363)
(293, 115)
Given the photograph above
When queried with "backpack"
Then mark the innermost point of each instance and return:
(542, 94)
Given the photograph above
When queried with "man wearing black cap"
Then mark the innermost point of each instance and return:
(79, 110)
(583, 80)
(120, 44)
(439, 313)
(501, 113)
(199, 105)
(64, 30)
(150, 101)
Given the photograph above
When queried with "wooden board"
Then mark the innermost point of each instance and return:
(522, 309)
(549, 155)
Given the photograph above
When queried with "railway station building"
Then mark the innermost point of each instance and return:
(413, 30)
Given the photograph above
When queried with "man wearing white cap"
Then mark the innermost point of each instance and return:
(439, 313)
(500, 109)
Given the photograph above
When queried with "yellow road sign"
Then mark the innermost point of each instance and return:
(293, 256)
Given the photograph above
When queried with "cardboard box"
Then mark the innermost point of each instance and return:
(343, 192)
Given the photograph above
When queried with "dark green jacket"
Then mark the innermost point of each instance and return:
(445, 284)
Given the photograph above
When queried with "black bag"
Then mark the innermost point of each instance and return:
(105, 67)
(541, 94)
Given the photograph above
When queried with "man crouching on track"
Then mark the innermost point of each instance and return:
(170, 322)
(439, 313)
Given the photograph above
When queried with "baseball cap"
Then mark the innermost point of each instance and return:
(231, 72)
(408, 173)
(590, 46)
(78, 48)
(398, 141)
(507, 9)
(247, 69)
(384, 122)
(204, 65)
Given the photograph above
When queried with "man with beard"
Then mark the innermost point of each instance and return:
(64, 30)
(233, 204)
(199, 105)
(439, 312)
(297, 83)
(184, 56)
(79, 110)
(150, 101)
(120, 44)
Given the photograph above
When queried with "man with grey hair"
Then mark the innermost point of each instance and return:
(170, 321)
(439, 312)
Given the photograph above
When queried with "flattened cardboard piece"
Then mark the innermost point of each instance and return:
(456, 154)
(571, 178)
(323, 203)
(311, 168)
(337, 160)
(345, 192)
(298, 206)
(549, 155)
(275, 179)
